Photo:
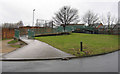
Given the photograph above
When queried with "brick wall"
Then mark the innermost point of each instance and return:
(24, 30)
(7, 33)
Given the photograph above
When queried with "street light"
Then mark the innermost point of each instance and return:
(33, 16)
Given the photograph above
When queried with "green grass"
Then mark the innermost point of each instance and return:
(92, 43)
(13, 41)
(15, 46)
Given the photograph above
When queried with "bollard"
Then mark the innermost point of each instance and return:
(81, 46)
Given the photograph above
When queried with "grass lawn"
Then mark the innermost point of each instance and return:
(92, 43)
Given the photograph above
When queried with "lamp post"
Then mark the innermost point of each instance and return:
(33, 17)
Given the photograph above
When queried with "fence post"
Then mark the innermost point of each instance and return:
(81, 46)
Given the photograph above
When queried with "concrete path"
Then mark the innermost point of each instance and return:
(36, 50)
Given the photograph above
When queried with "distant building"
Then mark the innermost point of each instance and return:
(98, 25)
(42, 23)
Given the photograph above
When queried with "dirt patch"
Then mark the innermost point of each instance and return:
(6, 48)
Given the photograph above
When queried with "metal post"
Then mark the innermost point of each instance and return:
(81, 46)
(33, 17)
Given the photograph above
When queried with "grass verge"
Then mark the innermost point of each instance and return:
(16, 43)
(93, 44)
(13, 41)
(15, 46)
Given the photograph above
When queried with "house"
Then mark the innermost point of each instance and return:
(98, 25)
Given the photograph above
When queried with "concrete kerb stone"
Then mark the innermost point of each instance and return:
(37, 59)
(61, 58)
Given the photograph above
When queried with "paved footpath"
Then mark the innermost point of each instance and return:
(36, 50)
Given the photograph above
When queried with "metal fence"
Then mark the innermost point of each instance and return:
(31, 32)
(17, 34)
(59, 29)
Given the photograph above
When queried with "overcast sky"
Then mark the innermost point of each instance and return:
(12, 11)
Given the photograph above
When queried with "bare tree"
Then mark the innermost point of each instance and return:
(103, 19)
(90, 18)
(109, 19)
(66, 15)
(12, 25)
(51, 23)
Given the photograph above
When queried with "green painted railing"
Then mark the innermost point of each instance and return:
(17, 34)
(31, 33)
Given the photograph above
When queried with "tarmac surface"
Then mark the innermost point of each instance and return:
(36, 50)
(103, 63)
